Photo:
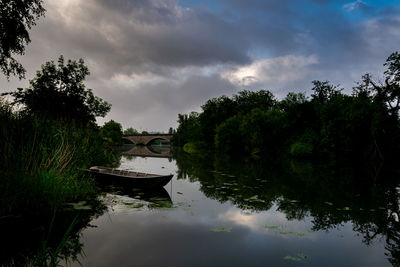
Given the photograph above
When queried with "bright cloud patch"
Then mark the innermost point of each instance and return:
(280, 69)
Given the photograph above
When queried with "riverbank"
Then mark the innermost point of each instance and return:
(40, 160)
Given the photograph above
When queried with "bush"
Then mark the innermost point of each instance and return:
(301, 149)
(112, 131)
(40, 160)
(193, 147)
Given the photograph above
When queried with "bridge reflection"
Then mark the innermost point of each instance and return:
(158, 151)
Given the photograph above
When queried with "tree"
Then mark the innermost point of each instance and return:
(130, 131)
(387, 93)
(246, 101)
(323, 91)
(16, 18)
(292, 100)
(112, 131)
(392, 82)
(393, 71)
(59, 92)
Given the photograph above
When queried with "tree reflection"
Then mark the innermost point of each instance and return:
(48, 239)
(332, 193)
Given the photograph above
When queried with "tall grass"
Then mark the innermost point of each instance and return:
(39, 161)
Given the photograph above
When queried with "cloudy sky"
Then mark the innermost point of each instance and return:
(153, 59)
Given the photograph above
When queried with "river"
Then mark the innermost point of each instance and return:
(218, 213)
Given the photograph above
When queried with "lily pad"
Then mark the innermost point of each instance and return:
(81, 205)
(298, 257)
(291, 258)
(162, 205)
(293, 233)
(134, 205)
(272, 227)
(222, 229)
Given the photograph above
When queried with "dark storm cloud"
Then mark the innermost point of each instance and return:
(156, 38)
(144, 36)
(173, 58)
(159, 103)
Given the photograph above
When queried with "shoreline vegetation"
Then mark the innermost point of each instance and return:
(40, 160)
(46, 135)
(45, 200)
(361, 127)
(50, 136)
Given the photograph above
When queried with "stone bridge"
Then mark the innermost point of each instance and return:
(146, 139)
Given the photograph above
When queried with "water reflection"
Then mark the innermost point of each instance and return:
(48, 239)
(331, 195)
(228, 213)
(139, 197)
(162, 151)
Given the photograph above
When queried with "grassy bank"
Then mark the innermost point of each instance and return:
(39, 162)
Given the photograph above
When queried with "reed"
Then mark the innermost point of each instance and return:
(67, 249)
(39, 161)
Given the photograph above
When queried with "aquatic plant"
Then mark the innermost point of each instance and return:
(40, 160)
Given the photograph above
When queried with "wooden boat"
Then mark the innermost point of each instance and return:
(129, 178)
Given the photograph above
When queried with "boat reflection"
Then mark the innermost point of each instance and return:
(154, 198)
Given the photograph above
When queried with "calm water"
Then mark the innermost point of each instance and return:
(216, 213)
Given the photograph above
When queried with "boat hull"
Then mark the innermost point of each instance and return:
(151, 181)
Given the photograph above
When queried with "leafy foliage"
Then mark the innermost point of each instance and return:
(40, 160)
(58, 91)
(130, 130)
(112, 131)
(362, 126)
(16, 18)
(189, 129)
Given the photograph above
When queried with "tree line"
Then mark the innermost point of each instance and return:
(363, 125)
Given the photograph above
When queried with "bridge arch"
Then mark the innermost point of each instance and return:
(127, 141)
(157, 138)
(146, 139)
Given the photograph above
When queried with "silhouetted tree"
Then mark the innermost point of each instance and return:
(58, 91)
(323, 91)
(112, 131)
(130, 130)
(363, 126)
(16, 18)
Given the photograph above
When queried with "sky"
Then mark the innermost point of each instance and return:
(154, 59)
